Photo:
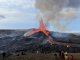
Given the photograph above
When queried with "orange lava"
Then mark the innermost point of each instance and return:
(42, 28)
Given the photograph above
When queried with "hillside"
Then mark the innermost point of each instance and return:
(13, 40)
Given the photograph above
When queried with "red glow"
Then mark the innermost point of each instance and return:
(42, 28)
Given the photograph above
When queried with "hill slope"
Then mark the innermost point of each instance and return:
(13, 40)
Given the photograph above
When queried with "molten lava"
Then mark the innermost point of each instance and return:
(42, 28)
(50, 40)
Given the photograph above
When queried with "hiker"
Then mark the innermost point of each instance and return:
(66, 56)
(59, 53)
(55, 56)
(70, 57)
(62, 55)
(22, 53)
(3, 55)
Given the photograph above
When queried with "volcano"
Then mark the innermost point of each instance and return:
(42, 29)
(36, 39)
(14, 40)
(50, 39)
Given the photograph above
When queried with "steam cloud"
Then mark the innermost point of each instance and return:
(55, 11)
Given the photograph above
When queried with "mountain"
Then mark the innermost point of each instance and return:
(14, 40)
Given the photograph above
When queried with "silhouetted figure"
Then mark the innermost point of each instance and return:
(56, 57)
(71, 57)
(62, 55)
(22, 53)
(59, 53)
(3, 55)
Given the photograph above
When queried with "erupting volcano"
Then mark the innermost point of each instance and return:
(42, 29)
(50, 39)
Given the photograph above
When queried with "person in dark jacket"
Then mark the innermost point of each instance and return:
(62, 55)
(59, 53)
(3, 55)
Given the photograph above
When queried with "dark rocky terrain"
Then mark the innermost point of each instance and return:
(13, 40)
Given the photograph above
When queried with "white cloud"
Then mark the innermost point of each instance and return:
(16, 12)
(15, 8)
(21, 3)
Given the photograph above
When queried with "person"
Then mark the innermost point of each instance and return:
(66, 56)
(59, 53)
(55, 56)
(62, 55)
(22, 53)
(3, 54)
(70, 57)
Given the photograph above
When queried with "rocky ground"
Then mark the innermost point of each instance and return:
(13, 40)
(39, 56)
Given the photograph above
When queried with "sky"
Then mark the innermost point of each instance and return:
(21, 14)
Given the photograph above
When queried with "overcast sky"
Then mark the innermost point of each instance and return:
(21, 14)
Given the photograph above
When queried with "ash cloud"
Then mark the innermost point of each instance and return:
(56, 10)
(74, 3)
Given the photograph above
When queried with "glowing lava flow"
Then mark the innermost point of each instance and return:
(42, 28)
(50, 40)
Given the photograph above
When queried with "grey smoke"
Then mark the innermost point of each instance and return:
(74, 3)
(54, 10)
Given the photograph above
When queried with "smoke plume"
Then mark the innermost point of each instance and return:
(55, 11)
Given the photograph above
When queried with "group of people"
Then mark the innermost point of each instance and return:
(60, 56)
(63, 56)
